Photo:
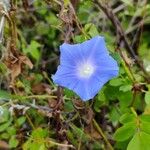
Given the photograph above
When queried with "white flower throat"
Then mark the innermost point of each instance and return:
(86, 70)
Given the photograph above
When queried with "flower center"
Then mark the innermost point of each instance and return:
(86, 70)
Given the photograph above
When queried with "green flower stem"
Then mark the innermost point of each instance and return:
(102, 134)
(133, 111)
(128, 71)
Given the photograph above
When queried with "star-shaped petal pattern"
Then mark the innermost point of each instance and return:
(84, 68)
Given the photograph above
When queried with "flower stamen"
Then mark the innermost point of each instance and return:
(86, 70)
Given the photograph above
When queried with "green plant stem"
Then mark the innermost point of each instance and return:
(59, 144)
(47, 78)
(33, 96)
(12, 16)
(30, 122)
(128, 72)
(133, 111)
(22, 97)
(80, 140)
(102, 134)
(51, 142)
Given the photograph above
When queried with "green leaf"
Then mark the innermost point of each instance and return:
(42, 28)
(70, 136)
(145, 117)
(39, 133)
(11, 130)
(147, 97)
(125, 132)
(140, 141)
(116, 82)
(79, 38)
(42, 147)
(113, 92)
(66, 2)
(4, 126)
(114, 115)
(13, 142)
(69, 93)
(125, 88)
(145, 127)
(100, 100)
(128, 2)
(33, 50)
(37, 146)
(91, 29)
(68, 106)
(78, 132)
(4, 116)
(4, 136)
(4, 95)
(3, 69)
(37, 140)
(20, 120)
(126, 118)
(53, 20)
(117, 57)
(124, 99)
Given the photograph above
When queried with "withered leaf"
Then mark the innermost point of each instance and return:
(24, 59)
(90, 130)
(41, 88)
(15, 65)
(4, 145)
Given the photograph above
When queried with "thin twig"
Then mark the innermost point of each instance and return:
(121, 34)
(30, 121)
(102, 134)
(59, 144)
(127, 67)
(138, 35)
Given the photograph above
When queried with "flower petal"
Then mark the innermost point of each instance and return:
(106, 63)
(74, 54)
(66, 77)
(95, 46)
(93, 58)
(70, 54)
(88, 89)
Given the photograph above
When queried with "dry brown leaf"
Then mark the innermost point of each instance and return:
(15, 70)
(26, 61)
(90, 130)
(15, 65)
(41, 88)
(79, 104)
(67, 14)
(52, 103)
(89, 116)
(4, 145)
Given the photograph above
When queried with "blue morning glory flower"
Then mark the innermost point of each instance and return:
(84, 68)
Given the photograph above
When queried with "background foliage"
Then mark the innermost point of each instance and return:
(35, 114)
